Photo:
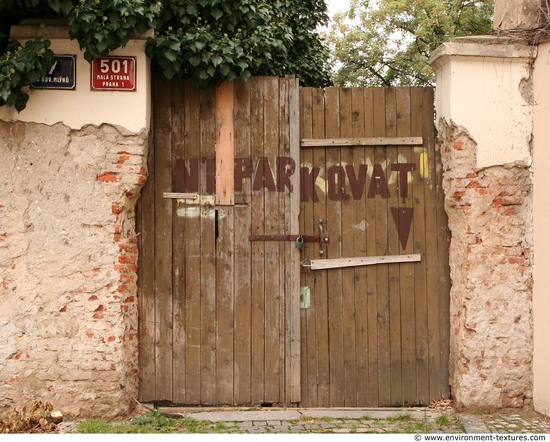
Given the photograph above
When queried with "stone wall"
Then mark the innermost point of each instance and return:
(490, 217)
(68, 262)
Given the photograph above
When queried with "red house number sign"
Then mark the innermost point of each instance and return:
(114, 73)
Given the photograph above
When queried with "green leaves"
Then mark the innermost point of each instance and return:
(388, 43)
(209, 40)
(21, 66)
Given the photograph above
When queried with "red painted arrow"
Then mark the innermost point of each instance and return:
(402, 217)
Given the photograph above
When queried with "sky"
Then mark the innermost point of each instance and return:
(336, 6)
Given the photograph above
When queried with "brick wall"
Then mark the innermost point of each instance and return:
(68, 262)
(490, 218)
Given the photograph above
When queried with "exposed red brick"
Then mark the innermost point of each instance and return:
(127, 259)
(108, 177)
(123, 158)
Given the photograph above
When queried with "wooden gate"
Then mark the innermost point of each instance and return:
(293, 247)
(375, 318)
(220, 316)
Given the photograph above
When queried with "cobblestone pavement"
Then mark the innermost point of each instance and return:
(513, 422)
(389, 421)
(358, 421)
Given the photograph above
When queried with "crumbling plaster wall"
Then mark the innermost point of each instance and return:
(485, 125)
(71, 168)
(68, 262)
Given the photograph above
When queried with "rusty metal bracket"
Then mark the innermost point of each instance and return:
(305, 238)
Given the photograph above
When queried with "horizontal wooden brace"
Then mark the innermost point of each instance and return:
(377, 141)
(181, 196)
(321, 264)
(305, 238)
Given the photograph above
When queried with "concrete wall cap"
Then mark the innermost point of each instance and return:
(484, 46)
(56, 32)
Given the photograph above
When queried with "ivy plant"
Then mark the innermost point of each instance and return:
(208, 40)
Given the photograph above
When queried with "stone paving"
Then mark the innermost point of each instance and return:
(357, 421)
(389, 421)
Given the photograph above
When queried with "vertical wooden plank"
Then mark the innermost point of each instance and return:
(347, 206)
(146, 275)
(407, 183)
(393, 249)
(371, 110)
(224, 305)
(242, 275)
(432, 266)
(307, 227)
(421, 187)
(178, 247)
(359, 248)
(334, 227)
(443, 236)
(192, 253)
(293, 280)
(224, 227)
(258, 247)
(320, 290)
(225, 147)
(208, 256)
(273, 298)
(382, 273)
(163, 247)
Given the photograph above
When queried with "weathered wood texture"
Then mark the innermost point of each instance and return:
(374, 335)
(219, 314)
(237, 174)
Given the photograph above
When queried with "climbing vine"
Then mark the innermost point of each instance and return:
(208, 40)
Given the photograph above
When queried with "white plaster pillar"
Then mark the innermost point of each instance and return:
(541, 215)
(484, 106)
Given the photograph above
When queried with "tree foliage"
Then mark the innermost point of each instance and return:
(388, 42)
(209, 40)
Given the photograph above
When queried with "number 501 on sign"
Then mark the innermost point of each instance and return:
(114, 73)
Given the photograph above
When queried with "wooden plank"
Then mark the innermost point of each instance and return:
(163, 246)
(309, 381)
(179, 195)
(293, 288)
(258, 248)
(443, 236)
(192, 254)
(347, 204)
(242, 275)
(382, 275)
(361, 141)
(335, 263)
(396, 397)
(178, 244)
(225, 243)
(419, 246)
(359, 248)
(225, 144)
(334, 223)
(372, 399)
(272, 219)
(225, 267)
(410, 180)
(208, 255)
(145, 218)
(320, 288)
